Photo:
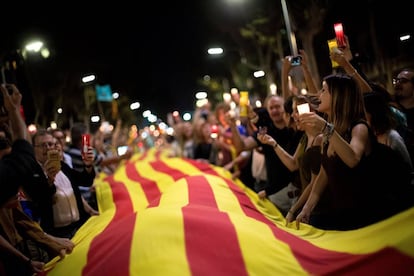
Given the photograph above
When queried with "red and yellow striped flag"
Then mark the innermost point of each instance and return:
(172, 216)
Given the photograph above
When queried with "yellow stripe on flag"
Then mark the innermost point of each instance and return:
(172, 216)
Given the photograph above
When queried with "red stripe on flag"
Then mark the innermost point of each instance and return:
(162, 167)
(204, 167)
(319, 261)
(150, 187)
(210, 237)
(143, 156)
(112, 238)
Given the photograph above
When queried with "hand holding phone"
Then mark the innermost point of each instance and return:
(86, 142)
(54, 158)
(296, 61)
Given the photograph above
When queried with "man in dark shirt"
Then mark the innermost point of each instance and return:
(279, 176)
(65, 211)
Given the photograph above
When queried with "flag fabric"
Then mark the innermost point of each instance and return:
(172, 216)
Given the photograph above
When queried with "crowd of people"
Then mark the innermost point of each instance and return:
(344, 163)
(42, 204)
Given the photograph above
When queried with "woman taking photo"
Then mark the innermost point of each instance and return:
(340, 184)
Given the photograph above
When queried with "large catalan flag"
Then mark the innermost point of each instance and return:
(172, 216)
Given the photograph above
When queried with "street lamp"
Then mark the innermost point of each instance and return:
(15, 68)
(88, 78)
(224, 77)
(35, 46)
(135, 105)
(215, 51)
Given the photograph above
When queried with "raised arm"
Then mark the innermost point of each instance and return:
(310, 83)
(343, 57)
(288, 160)
(240, 143)
(12, 103)
(286, 66)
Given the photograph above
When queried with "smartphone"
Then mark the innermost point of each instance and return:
(296, 61)
(262, 130)
(54, 157)
(339, 34)
(86, 142)
(121, 150)
(303, 108)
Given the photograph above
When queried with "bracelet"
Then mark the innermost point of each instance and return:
(329, 130)
(275, 146)
(354, 73)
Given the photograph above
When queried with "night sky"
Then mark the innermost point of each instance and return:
(154, 52)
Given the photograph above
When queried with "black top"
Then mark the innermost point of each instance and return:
(278, 175)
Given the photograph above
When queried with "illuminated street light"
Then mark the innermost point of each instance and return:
(152, 118)
(35, 46)
(134, 105)
(201, 95)
(259, 74)
(187, 116)
(202, 102)
(146, 113)
(95, 118)
(215, 51)
(88, 78)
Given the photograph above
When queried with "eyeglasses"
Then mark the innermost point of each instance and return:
(47, 145)
(400, 80)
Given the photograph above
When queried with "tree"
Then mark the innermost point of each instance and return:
(307, 19)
